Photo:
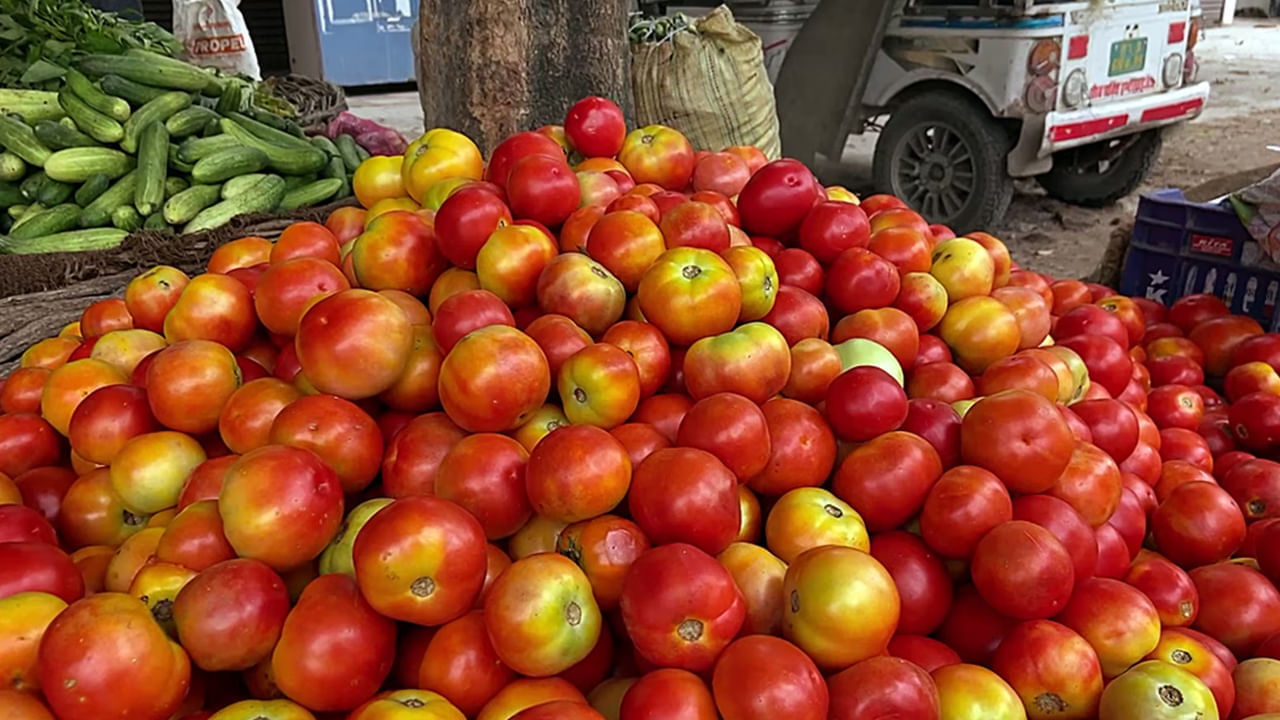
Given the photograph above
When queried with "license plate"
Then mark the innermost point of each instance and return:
(1127, 56)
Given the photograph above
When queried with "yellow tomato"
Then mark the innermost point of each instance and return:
(408, 705)
(440, 191)
(840, 193)
(71, 330)
(23, 620)
(440, 153)
(599, 164)
(263, 710)
(386, 205)
(378, 178)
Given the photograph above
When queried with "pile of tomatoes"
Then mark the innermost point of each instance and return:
(609, 428)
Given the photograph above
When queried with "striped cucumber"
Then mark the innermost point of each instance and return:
(189, 121)
(56, 219)
(12, 168)
(312, 193)
(135, 92)
(226, 164)
(92, 188)
(347, 149)
(18, 138)
(30, 105)
(265, 195)
(174, 185)
(153, 161)
(184, 206)
(158, 110)
(60, 137)
(126, 217)
(53, 192)
(147, 67)
(297, 157)
(71, 241)
(98, 212)
(98, 126)
(93, 96)
(193, 150)
(75, 165)
(237, 185)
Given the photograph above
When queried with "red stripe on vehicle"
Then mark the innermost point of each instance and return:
(1085, 128)
(1166, 112)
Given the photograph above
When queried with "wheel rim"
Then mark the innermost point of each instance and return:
(933, 171)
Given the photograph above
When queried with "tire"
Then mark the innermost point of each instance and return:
(1079, 177)
(968, 187)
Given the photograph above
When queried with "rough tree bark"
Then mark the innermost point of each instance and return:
(489, 68)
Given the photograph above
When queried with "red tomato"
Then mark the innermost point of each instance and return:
(1118, 621)
(732, 428)
(926, 652)
(1054, 670)
(334, 651)
(414, 454)
(1091, 320)
(245, 422)
(864, 402)
(1020, 436)
(722, 172)
(681, 608)
(941, 381)
(279, 492)
(343, 435)
(1022, 570)
(595, 127)
(108, 418)
(1238, 606)
(287, 289)
(626, 243)
(542, 188)
(21, 392)
(1197, 524)
(695, 224)
(668, 693)
(1066, 524)
(685, 495)
(802, 448)
(33, 565)
(924, 587)
(972, 628)
(229, 616)
(1090, 483)
(939, 424)
(493, 379)
(577, 473)
(797, 314)
(858, 279)
(888, 478)
(1255, 420)
(421, 559)
(963, 505)
(1113, 425)
(484, 474)
(883, 687)
(778, 197)
(832, 227)
(761, 677)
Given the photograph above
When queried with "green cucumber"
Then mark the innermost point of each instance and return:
(32, 184)
(18, 138)
(93, 96)
(70, 241)
(158, 110)
(265, 195)
(184, 206)
(126, 217)
(153, 161)
(298, 157)
(77, 164)
(60, 137)
(226, 164)
(325, 144)
(136, 93)
(240, 184)
(347, 149)
(10, 195)
(53, 192)
(297, 181)
(92, 188)
(155, 221)
(310, 194)
(100, 127)
(12, 168)
(147, 67)
(56, 219)
(174, 185)
(176, 162)
(189, 121)
(193, 150)
(98, 212)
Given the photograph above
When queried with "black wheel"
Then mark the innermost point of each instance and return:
(944, 155)
(1101, 173)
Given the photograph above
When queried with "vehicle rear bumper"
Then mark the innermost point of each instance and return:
(1063, 130)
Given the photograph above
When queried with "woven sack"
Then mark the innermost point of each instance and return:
(711, 83)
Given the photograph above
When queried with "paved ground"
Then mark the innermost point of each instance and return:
(1242, 61)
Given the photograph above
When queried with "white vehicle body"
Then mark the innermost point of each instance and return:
(1073, 73)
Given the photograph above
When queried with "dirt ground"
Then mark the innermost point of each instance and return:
(1242, 61)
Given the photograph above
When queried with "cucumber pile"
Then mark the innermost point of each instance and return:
(142, 140)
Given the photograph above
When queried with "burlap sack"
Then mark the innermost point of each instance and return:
(710, 83)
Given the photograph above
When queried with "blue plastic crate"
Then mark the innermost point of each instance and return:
(1182, 248)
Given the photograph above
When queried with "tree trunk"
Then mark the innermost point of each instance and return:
(489, 68)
